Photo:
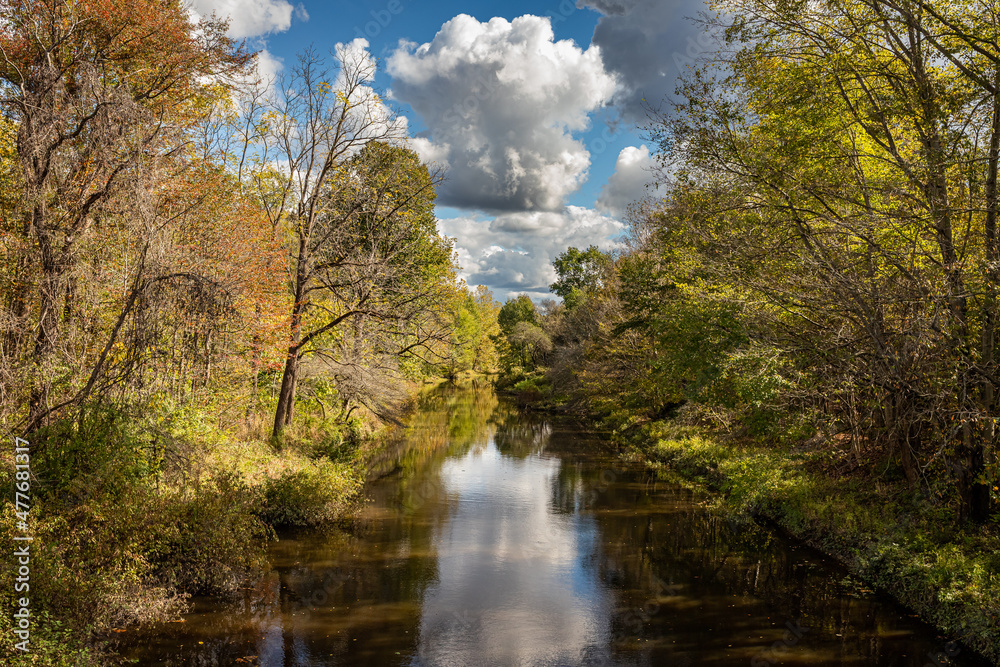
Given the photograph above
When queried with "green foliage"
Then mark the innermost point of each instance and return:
(574, 298)
(531, 340)
(474, 333)
(104, 452)
(532, 389)
(210, 539)
(514, 310)
(52, 645)
(523, 342)
(338, 443)
(129, 519)
(581, 272)
(313, 494)
(118, 559)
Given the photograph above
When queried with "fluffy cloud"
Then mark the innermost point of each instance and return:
(631, 181)
(501, 101)
(648, 43)
(251, 18)
(268, 66)
(513, 253)
(367, 108)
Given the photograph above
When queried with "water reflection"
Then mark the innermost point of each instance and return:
(541, 592)
(497, 538)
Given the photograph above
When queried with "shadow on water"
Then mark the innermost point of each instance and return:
(491, 537)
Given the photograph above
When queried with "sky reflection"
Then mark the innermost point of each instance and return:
(544, 603)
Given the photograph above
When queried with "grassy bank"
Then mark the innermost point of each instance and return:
(133, 513)
(897, 541)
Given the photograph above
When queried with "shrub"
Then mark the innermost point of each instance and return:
(101, 453)
(315, 493)
(211, 539)
(52, 645)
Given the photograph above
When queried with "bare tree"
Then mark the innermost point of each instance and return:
(348, 213)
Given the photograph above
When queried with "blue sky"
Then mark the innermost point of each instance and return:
(532, 109)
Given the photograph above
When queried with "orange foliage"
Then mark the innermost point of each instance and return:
(147, 46)
(226, 236)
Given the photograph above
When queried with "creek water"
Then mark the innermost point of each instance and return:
(493, 537)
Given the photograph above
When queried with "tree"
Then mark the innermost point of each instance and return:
(514, 310)
(366, 266)
(300, 149)
(101, 94)
(473, 329)
(580, 273)
(531, 341)
(486, 308)
(849, 200)
(383, 278)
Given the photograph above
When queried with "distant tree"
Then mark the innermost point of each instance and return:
(580, 274)
(473, 331)
(514, 310)
(531, 341)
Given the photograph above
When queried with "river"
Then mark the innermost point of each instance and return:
(493, 537)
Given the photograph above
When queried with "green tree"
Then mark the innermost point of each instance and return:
(531, 342)
(581, 272)
(473, 332)
(367, 269)
(377, 279)
(824, 199)
(514, 310)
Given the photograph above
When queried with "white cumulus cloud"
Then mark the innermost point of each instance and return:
(501, 101)
(513, 253)
(633, 180)
(252, 18)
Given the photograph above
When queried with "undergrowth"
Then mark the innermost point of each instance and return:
(896, 540)
(132, 513)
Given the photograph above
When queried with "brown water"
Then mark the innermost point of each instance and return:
(497, 538)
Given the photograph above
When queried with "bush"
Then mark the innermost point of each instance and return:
(130, 517)
(103, 453)
(210, 540)
(318, 492)
(532, 388)
(52, 645)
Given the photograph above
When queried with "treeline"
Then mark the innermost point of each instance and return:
(213, 288)
(825, 261)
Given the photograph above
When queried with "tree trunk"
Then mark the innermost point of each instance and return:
(255, 345)
(48, 327)
(978, 500)
(286, 396)
(973, 491)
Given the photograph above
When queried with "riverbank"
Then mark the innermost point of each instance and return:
(899, 542)
(132, 514)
